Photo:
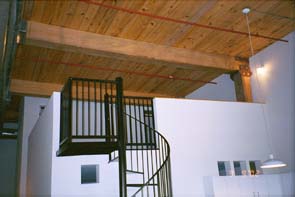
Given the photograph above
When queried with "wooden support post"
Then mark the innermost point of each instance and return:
(243, 83)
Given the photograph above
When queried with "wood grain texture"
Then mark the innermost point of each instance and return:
(223, 13)
(49, 36)
(41, 89)
(28, 67)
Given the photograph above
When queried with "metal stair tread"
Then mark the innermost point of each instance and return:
(134, 172)
(140, 185)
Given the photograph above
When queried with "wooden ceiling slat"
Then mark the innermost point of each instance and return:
(154, 84)
(157, 28)
(70, 13)
(182, 30)
(59, 14)
(175, 88)
(79, 15)
(48, 16)
(107, 18)
(162, 31)
(88, 18)
(38, 9)
(28, 9)
(122, 19)
(15, 67)
(138, 24)
(97, 19)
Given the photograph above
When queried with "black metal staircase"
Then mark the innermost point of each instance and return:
(97, 119)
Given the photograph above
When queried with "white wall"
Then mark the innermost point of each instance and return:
(31, 114)
(66, 171)
(224, 90)
(276, 89)
(7, 166)
(65, 177)
(39, 154)
(201, 133)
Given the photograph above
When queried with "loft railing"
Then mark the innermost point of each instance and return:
(141, 108)
(88, 111)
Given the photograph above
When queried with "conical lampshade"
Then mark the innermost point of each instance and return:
(273, 163)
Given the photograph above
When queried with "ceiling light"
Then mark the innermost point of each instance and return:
(272, 163)
(246, 10)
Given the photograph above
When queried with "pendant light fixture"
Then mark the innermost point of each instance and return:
(271, 162)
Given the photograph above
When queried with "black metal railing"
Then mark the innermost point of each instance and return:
(88, 111)
(150, 159)
(141, 108)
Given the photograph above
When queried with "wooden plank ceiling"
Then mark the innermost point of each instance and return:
(274, 18)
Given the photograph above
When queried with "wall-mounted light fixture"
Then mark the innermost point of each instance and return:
(260, 69)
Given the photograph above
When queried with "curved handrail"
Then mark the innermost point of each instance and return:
(165, 163)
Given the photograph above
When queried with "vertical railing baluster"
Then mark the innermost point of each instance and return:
(130, 141)
(83, 118)
(100, 107)
(77, 108)
(95, 109)
(112, 113)
(70, 110)
(170, 180)
(164, 177)
(107, 117)
(150, 144)
(89, 121)
(136, 104)
(146, 128)
(136, 133)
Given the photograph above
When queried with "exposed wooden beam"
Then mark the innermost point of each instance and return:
(61, 38)
(34, 88)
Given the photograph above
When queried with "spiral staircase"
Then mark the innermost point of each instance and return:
(97, 119)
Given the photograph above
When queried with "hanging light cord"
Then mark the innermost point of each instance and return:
(249, 34)
(269, 141)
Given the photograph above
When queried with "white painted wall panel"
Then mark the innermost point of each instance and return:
(39, 154)
(224, 90)
(31, 115)
(201, 133)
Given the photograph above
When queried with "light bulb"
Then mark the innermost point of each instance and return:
(260, 70)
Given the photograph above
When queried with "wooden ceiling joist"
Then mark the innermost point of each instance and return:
(60, 38)
(41, 89)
